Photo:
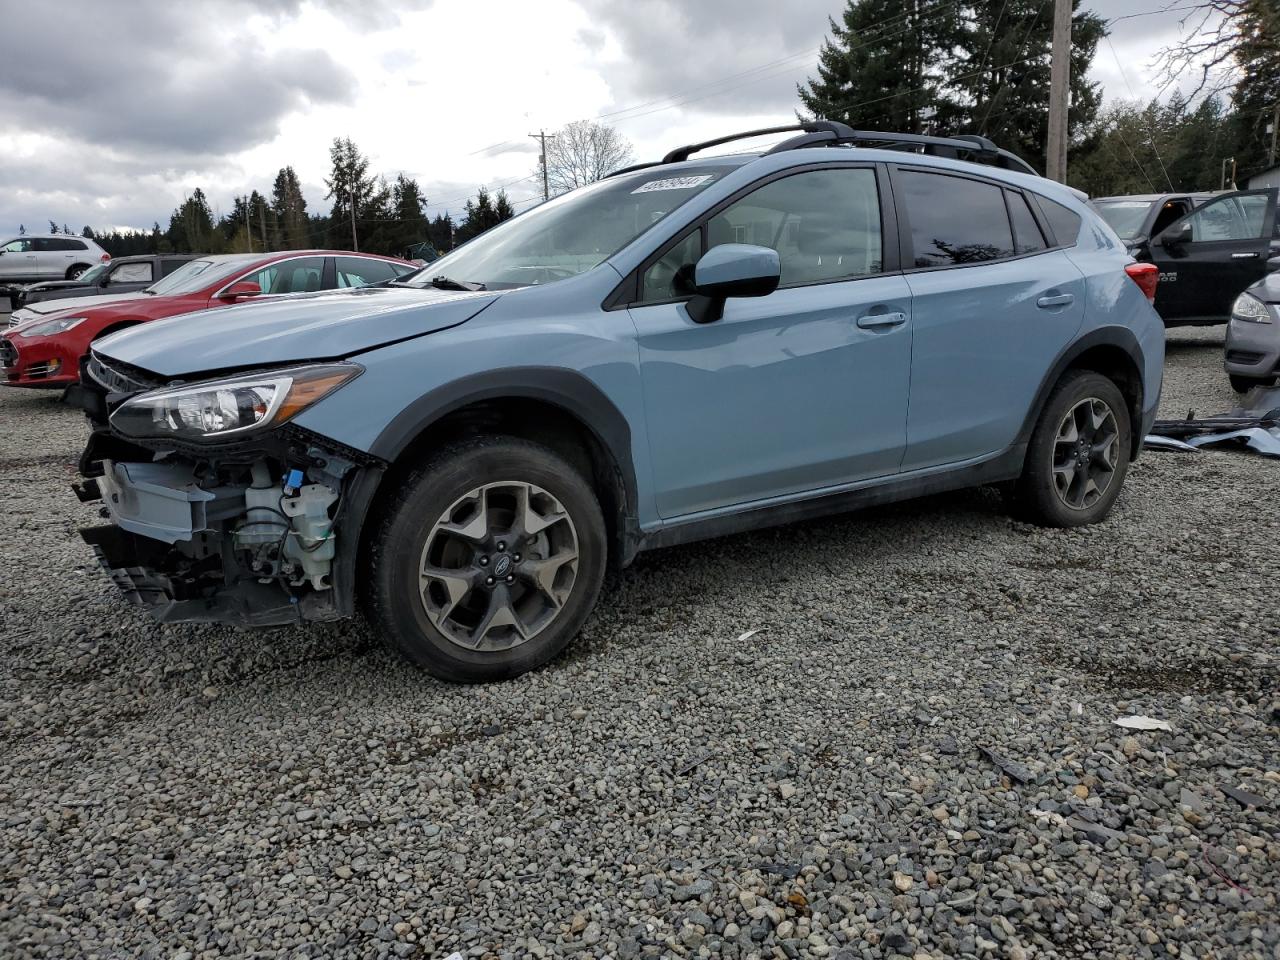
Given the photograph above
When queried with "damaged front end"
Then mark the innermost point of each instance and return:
(222, 510)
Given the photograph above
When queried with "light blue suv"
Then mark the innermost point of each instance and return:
(685, 349)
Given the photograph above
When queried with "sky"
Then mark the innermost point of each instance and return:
(110, 114)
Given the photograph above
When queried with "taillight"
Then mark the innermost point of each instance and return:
(105, 257)
(1146, 276)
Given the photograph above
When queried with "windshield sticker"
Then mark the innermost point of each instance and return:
(675, 183)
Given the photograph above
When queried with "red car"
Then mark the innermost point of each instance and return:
(45, 351)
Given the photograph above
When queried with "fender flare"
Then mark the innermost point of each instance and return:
(1121, 337)
(571, 391)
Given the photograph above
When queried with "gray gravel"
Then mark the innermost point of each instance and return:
(915, 756)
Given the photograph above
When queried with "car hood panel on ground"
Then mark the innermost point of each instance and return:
(320, 326)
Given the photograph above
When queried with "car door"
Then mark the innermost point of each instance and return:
(49, 255)
(797, 391)
(1207, 257)
(18, 260)
(994, 302)
(125, 277)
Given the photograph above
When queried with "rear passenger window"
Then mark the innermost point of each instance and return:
(1064, 223)
(1027, 237)
(955, 220)
(168, 266)
(362, 271)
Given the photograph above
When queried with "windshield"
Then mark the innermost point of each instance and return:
(1125, 217)
(93, 273)
(194, 275)
(572, 233)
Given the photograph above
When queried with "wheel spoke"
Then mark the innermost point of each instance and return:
(474, 530)
(528, 522)
(457, 583)
(542, 573)
(499, 613)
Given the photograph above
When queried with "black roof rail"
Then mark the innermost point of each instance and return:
(831, 133)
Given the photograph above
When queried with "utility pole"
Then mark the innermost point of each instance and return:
(352, 195)
(541, 136)
(248, 230)
(1055, 165)
(1275, 128)
(262, 215)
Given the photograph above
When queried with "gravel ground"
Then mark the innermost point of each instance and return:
(915, 756)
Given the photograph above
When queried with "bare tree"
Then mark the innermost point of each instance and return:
(583, 152)
(1213, 33)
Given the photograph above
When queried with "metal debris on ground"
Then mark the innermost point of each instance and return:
(1254, 424)
(1014, 769)
(1142, 723)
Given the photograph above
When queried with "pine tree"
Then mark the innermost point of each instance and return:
(882, 66)
(350, 185)
(440, 232)
(1257, 92)
(502, 209)
(289, 208)
(1001, 74)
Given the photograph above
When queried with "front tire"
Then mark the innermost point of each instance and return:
(1079, 453)
(488, 560)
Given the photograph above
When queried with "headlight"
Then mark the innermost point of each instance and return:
(1250, 309)
(50, 327)
(220, 408)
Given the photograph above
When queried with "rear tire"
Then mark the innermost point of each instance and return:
(488, 560)
(1079, 453)
(76, 270)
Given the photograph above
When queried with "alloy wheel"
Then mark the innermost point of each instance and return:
(499, 565)
(1085, 453)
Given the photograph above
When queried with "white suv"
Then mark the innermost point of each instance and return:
(61, 256)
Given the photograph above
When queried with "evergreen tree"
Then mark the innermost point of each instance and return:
(1257, 92)
(1001, 74)
(289, 209)
(350, 185)
(483, 213)
(87, 233)
(883, 67)
(53, 227)
(191, 227)
(440, 232)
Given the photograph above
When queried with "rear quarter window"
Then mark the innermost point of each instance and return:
(1063, 221)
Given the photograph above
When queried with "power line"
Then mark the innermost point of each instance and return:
(1151, 129)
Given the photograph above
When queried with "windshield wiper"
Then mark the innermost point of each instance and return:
(448, 283)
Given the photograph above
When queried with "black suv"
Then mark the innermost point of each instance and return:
(1209, 247)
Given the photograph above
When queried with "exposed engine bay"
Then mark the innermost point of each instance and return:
(243, 532)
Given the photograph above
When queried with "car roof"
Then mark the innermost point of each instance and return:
(48, 236)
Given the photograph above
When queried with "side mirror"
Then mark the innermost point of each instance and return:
(1176, 235)
(731, 270)
(240, 290)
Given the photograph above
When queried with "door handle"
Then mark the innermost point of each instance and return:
(1057, 300)
(1244, 256)
(876, 321)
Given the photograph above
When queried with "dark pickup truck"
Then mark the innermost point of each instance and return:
(123, 275)
(1209, 247)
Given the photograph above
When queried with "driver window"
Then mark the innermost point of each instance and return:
(290, 276)
(1171, 211)
(17, 246)
(1229, 218)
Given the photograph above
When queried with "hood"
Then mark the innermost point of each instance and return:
(317, 326)
(46, 307)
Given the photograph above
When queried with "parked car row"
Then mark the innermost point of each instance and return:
(121, 275)
(49, 338)
(685, 349)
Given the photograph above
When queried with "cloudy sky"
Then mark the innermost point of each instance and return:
(111, 112)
